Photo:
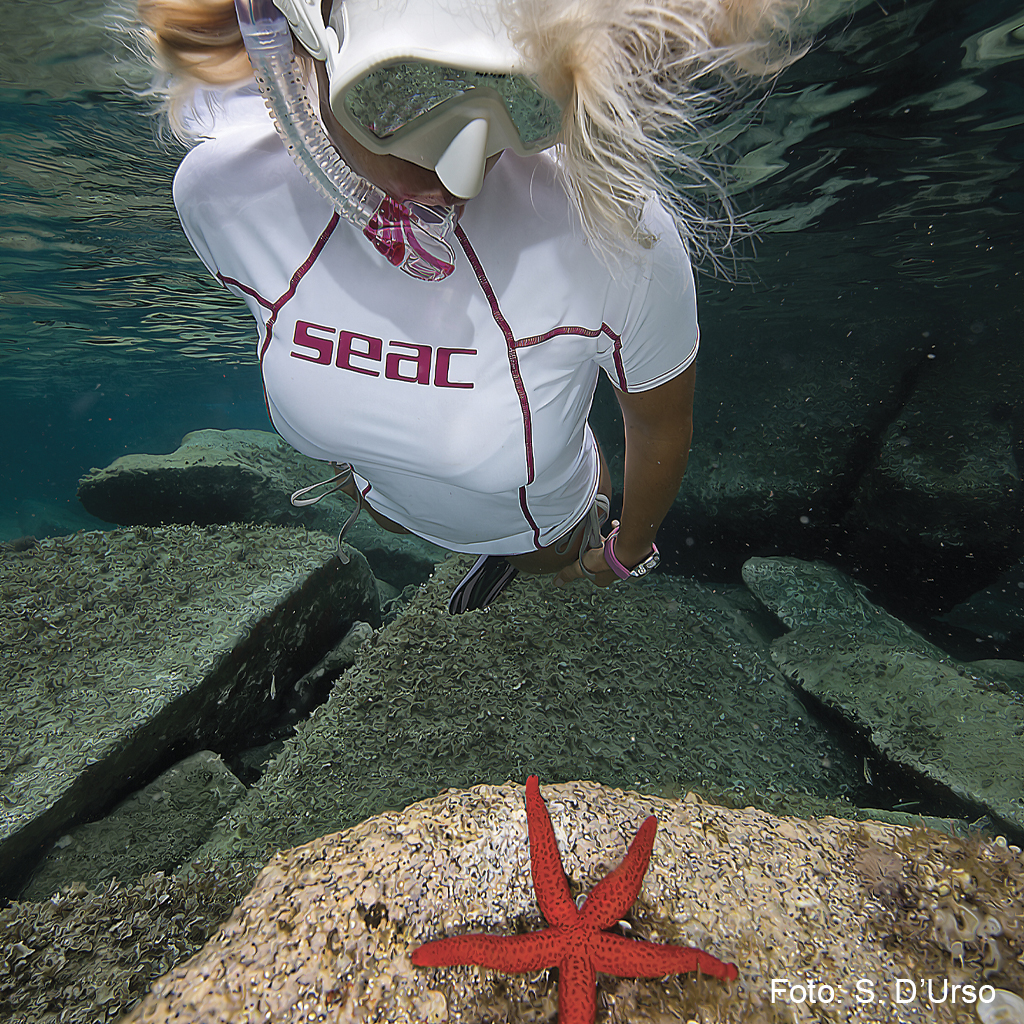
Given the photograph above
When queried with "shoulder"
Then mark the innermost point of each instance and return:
(235, 139)
(524, 206)
(238, 189)
(523, 221)
(669, 253)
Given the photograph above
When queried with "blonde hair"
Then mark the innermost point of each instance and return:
(644, 85)
(192, 43)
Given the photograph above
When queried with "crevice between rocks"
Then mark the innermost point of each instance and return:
(245, 685)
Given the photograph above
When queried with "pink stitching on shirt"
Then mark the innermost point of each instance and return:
(293, 284)
(517, 379)
(266, 303)
(586, 332)
(512, 344)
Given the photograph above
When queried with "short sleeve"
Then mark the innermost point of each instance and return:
(233, 137)
(188, 185)
(660, 338)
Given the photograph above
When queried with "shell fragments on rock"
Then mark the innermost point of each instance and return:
(326, 933)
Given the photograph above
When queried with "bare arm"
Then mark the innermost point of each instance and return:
(659, 426)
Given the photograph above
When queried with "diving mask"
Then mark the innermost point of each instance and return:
(409, 236)
(435, 82)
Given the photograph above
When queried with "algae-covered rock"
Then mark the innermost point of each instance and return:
(997, 611)
(215, 476)
(942, 721)
(117, 646)
(835, 428)
(659, 686)
(155, 829)
(328, 929)
(958, 727)
(245, 476)
(81, 957)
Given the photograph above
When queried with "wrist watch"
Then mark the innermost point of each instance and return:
(648, 564)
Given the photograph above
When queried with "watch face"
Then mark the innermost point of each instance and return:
(649, 563)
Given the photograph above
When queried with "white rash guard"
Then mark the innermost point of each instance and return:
(462, 404)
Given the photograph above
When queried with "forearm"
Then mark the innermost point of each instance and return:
(655, 465)
(659, 427)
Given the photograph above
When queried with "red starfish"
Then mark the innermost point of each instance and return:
(575, 941)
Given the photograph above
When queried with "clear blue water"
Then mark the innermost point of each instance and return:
(885, 174)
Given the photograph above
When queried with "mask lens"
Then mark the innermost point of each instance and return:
(390, 98)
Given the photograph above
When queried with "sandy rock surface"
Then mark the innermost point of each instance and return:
(327, 931)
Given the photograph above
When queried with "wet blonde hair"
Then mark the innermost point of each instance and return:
(192, 43)
(644, 85)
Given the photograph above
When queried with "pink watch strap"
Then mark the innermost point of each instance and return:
(613, 563)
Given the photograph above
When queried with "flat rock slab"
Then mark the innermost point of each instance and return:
(942, 502)
(784, 425)
(244, 476)
(327, 931)
(119, 645)
(995, 612)
(215, 476)
(828, 426)
(958, 727)
(662, 687)
(155, 829)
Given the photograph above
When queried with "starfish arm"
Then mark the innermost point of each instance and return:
(617, 891)
(549, 881)
(513, 953)
(634, 958)
(577, 992)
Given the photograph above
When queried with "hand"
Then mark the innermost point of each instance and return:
(594, 560)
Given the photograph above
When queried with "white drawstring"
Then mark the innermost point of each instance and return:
(341, 478)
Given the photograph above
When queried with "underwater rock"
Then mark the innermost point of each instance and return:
(841, 432)
(941, 507)
(215, 476)
(83, 957)
(817, 594)
(957, 727)
(995, 612)
(1009, 672)
(1005, 1008)
(244, 476)
(155, 829)
(658, 686)
(784, 425)
(327, 931)
(25, 543)
(120, 645)
(28, 517)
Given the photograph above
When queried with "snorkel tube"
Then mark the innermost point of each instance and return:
(409, 236)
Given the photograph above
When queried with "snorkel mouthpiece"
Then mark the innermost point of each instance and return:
(410, 237)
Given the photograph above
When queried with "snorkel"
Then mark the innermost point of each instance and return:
(409, 236)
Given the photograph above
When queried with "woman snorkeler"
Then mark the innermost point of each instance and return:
(454, 214)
